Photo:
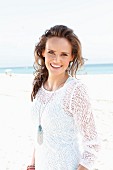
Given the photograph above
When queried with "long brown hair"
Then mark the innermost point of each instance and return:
(41, 73)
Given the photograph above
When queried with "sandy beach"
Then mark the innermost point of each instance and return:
(16, 142)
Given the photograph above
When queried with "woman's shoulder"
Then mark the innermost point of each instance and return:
(75, 83)
(76, 87)
(75, 92)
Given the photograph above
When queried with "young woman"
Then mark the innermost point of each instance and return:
(66, 138)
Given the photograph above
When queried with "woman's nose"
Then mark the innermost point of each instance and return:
(57, 58)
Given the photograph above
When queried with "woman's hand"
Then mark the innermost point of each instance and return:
(80, 167)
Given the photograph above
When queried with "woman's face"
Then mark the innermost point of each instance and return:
(58, 54)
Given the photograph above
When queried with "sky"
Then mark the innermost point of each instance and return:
(22, 22)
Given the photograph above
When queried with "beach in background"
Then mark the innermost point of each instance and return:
(16, 142)
(106, 68)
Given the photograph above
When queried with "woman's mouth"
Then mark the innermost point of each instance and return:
(56, 66)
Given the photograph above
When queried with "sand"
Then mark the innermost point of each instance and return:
(16, 141)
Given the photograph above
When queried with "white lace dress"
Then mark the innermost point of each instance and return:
(69, 135)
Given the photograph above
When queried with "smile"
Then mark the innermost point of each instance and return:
(55, 66)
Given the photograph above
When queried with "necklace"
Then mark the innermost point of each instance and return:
(40, 129)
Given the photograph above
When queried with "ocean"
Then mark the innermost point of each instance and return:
(86, 69)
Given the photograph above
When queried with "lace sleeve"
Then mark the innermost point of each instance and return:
(82, 113)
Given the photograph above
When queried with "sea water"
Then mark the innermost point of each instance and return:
(97, 69)
(86, 69)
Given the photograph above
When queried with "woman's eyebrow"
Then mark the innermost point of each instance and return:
(61, 52)
(51, 50)
(65, 52)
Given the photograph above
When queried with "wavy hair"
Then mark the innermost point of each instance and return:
(41, 72)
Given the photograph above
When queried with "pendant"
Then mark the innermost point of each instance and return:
(40, 135)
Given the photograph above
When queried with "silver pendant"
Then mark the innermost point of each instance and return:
(40, 135)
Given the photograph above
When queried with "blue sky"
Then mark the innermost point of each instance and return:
(23, 22)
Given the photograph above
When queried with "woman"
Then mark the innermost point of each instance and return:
(66, 138)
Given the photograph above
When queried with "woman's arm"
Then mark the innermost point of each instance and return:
(84, 119)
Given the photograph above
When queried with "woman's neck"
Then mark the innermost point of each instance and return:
(53, 83)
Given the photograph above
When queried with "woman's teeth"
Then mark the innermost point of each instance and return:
(56, 66)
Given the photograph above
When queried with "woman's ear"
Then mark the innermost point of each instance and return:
(43, 53)
(36, 57)
(72, 58)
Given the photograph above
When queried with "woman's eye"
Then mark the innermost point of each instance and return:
(63, 54)
(51, 52)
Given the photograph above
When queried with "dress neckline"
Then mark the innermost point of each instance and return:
(53, 91)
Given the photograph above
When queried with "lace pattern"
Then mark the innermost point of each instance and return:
(77, 104)
(44, 97)
(68, 114)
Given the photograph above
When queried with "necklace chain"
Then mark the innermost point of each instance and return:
(41, 112)
(40, 129)
(41, 109)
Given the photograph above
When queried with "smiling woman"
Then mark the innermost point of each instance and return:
(58, 41)
(61, 108)
(58, 55)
